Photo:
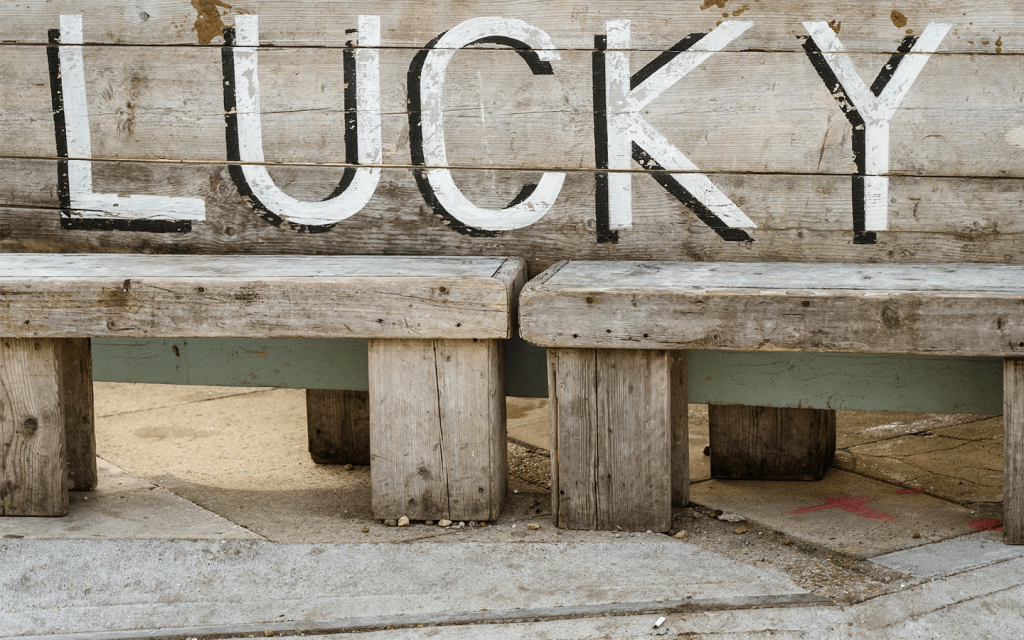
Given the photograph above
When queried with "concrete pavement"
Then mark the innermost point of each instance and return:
(211, 521)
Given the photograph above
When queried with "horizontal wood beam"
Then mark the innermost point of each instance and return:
(819, 380)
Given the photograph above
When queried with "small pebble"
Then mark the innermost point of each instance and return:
(429, 523)
(444, 523)
(681, 535)
(616, 536)
(390, 523)
(347, 467)
(731, 517)
(366, 529)
(483, 523)
(462, 525)
(403, 521)
(741, 529)
(532, 526)
(472, 523)
(268, 633)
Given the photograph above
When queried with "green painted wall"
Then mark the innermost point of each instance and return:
(838, 381)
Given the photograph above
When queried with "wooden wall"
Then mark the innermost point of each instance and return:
(755, 118)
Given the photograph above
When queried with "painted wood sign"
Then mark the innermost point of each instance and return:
(825, 130)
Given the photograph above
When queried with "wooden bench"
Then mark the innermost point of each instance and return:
(617, 335)
(435, 324)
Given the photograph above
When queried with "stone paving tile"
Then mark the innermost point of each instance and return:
(843, 512)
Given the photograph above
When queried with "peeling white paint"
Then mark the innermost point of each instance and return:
(432, 114)
(626, 125)
(250, 128)
(85, 203)
(877, 112)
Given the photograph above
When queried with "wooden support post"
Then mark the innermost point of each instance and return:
(339, 426)
(79, 424)
(770, 443)
(437, 429)
(612, 438)
(1013, 450)
(680, 430)
(33, 461)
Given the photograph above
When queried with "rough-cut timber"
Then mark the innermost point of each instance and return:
(955, 309)
(770, 443)
(339, 426)
(33, 456)
(613, 439)
(79, 419)
(437, 429)
(256, 296)
(1013, 439)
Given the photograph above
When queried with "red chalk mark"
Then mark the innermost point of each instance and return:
(903, 492)
(849, 505)
(986, 524)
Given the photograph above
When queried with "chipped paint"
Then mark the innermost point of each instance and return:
(209, 24)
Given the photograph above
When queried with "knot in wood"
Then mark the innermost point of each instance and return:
(29, 426)
(890, 318)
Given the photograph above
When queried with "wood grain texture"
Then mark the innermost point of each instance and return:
(572, 384)
(909, 309)
(680, 417)
(79, 417)
(767, 443)
(800, 218)
(865, 26)
(740, 112)
(634, 440)
(1013, 451)
(471, 396)
(165, 296)
(34, 469)
(338, 423)
(407, 472)
(437, 429)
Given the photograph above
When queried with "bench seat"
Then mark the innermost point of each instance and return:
(435, 326)
(617, 332)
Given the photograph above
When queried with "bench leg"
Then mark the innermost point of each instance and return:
(1013, 450)
(339, 426)
(769, 443)
(79, 425)
(612, 438)
(437, 429)
(33, 461)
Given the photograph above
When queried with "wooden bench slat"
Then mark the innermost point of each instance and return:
(257, 296)
(964, 309)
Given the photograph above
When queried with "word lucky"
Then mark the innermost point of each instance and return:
(622, 135)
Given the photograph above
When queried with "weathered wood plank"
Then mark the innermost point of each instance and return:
(407, 472)
(1013, 451)
(572, 24)
(912, 309)
(287, 296)
(680, 416)
(798, 218)
(634, 440)
(33, 464)
(338, 424)
(739, 112)
(79, 419)
(572, 384)
(768, 443)
(471, 397)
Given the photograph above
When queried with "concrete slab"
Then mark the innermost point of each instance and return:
(110, 398)
(951, 556)
(860, 427)
(962, 463)
(528, 422)
(123, 506)
(75, 586)
(844, 512)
